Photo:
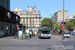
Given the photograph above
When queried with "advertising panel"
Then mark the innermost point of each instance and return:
(20, 34)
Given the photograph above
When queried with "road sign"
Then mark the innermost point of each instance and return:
(63, 27)
(18, 28)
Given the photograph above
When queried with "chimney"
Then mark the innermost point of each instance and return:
(28, 8)
(34, 6)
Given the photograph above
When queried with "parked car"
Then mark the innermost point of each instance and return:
(1, 33)
(74, 34)
(67, 35)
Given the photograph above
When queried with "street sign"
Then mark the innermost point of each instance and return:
(18, 28)
(63, 27)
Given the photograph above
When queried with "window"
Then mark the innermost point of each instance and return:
(27, 19)
(33, 25)
(33, 12)
(30, 15)
(27, 12)
(33, 19)
(27, 22)
(36, 19)
(36, 15)
(30, 25)
(36, 23)
(30, 18)
(33, 15)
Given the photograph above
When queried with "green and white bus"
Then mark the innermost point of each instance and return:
(44, 33)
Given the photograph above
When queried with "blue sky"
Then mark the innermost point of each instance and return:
(46, 7)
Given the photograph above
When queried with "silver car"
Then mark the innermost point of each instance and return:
(67, 35)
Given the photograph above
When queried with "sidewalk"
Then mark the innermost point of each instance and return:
(7, 37)
(59, 38)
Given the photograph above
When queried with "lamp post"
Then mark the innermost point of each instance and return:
(22, 28)
(63, 18)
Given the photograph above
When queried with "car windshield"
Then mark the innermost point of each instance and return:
(66, 33)
(46, 32)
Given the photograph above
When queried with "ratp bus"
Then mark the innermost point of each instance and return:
(44, 33)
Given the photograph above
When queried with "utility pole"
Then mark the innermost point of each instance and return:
(22, 31)
(63, 18)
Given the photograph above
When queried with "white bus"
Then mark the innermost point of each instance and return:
(44, 33)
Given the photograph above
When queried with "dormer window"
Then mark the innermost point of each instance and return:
(27, 12)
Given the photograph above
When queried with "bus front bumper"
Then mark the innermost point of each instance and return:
(45, 36)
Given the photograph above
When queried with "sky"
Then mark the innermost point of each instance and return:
(47, 7)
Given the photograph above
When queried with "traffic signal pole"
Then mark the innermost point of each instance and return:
(63, 18)
(22, 31)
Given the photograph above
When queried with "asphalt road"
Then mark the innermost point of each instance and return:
(69, 44)
(72, 38)
(33, 44)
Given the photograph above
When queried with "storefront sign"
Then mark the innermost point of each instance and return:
(16, 18)
(9, 15)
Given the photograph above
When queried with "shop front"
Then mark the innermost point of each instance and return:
(8, 21)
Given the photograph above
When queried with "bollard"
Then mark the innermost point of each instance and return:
(23, 36)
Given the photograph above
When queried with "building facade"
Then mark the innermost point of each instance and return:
(58, 16)
(8, 20)
(31, 18)
(5, 4)
(70, 18)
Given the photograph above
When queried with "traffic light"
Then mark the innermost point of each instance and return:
(62, 23)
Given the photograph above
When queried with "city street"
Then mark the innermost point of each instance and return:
(70, 42)
(34, 43)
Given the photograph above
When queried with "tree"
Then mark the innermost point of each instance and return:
(58, 26)
(69, 25)
(74, 22)
(47, 22)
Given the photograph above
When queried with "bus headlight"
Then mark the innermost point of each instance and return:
(49, 34)
(41, 34)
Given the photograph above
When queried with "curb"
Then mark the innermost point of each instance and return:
(59, 39)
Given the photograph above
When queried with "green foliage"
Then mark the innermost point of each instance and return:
(69, 25)
(47, 22)
(74, 22)
(58, 26)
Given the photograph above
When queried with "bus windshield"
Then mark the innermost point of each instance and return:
(46, 32)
